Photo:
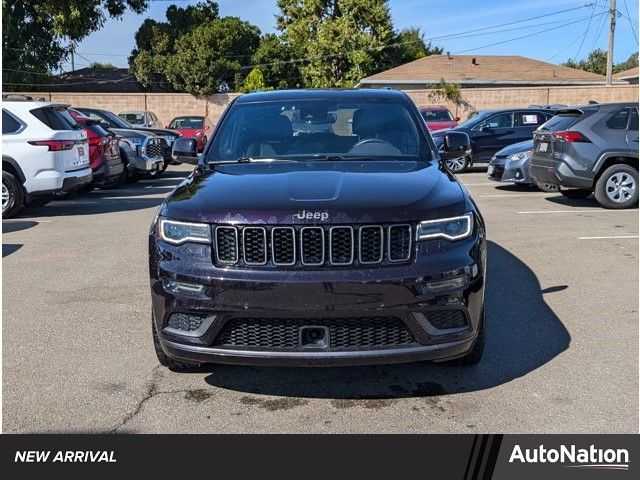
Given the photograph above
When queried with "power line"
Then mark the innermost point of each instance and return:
(586, 30)
(628, 17)
(521, 37)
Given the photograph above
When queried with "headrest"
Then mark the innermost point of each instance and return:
(274, 127)
(368, 122)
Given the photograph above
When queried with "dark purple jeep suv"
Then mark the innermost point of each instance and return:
(319, 227)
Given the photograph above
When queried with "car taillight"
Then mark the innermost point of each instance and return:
(54, 145)
(570, 137)
(95, 141)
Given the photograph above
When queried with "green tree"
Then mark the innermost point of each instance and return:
(254, 81)
(444, 91)
(409, 45)
(596, 62)
(102, 66)
(341, 41)
(156, 41)
(208, 57)
(273, 57)
(37, 36)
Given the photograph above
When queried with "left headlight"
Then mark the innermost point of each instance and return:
(519, 156)
(177, 233)
(454, 228)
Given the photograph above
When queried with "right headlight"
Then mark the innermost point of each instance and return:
(454, 228)
(177, 233)
(519, 156)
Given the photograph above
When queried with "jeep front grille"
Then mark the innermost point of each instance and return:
(312, 246)
(284, 333)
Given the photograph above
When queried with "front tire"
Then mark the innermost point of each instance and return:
(617, 187)
(576, 193)
(164, 360)
(12, 195)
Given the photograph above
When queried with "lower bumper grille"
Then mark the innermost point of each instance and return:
(344, 333)
(498, 171)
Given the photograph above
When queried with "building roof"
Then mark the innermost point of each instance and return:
(483, 69)
(114, 80)
(627, 74)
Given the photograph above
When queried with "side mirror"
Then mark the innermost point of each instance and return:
(185, 150)
(456, 144)
(457, 119)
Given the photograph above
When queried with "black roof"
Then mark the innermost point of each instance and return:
(322, 93)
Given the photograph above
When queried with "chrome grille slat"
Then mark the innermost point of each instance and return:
(312, 246)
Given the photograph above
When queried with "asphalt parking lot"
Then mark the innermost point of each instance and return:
(562, 351)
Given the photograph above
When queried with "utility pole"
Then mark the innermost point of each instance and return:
(612, 29)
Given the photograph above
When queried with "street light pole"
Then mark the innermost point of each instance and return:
(612, 29)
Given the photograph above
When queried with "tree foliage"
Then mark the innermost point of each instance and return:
(37, 36)
(444, 92)
(596, 62)
(254, 81)
(195, 50)
(409, 45)
(273, 57)
(341, 41)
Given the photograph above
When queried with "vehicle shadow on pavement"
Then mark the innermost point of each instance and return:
(134, 196)
(589, 202)
(523, 334)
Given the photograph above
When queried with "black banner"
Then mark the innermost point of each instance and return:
(467, 457)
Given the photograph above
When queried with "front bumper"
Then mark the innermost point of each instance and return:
(411, 293)
(511, 171)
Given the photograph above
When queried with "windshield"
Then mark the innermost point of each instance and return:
(187, 122)
(475, 120)
(133, 118)
(436, 115)
(304, 129)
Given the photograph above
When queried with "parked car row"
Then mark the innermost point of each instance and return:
(578, 151)
(52, 149)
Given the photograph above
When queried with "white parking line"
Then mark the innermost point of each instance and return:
(606, 238)
(492, 184)
(513, 195)
(583, 210)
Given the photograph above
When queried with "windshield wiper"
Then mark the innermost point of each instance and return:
(250, 160)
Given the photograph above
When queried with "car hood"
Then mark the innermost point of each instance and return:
(159, 131)
(130, 132)
(515, 148)
(346, 191)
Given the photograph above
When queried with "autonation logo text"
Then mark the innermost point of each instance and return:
(574, 457)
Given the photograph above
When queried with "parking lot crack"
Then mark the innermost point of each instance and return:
(150, 391)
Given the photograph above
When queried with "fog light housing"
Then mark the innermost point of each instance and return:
(188, 324)
(453, 283)
(184, 289)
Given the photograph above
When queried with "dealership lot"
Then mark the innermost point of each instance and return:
(562, 298)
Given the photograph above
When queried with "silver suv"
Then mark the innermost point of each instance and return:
(590, 149)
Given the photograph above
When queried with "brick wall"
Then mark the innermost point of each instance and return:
(169, 105)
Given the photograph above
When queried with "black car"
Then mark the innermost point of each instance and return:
(110, 120)
(492, 130)
(350, 245)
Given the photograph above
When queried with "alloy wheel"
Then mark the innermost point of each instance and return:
(6, 197)
(456, 164)
(620, 187)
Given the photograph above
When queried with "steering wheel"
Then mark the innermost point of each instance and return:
(372, 146)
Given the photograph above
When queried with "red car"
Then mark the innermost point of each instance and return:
(104, 152)
(438, 117)
(193, 126)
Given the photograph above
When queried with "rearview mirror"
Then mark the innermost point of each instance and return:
(185, 150)
(456, 144)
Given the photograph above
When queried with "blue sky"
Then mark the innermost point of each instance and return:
(553, 38)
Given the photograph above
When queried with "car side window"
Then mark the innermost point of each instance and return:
(619, 120)
(633, 120)
(501, 120)
(530, 119)
(10, 124)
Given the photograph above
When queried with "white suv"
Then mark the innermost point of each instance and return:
(43, 152)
